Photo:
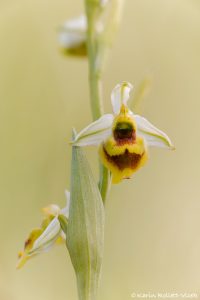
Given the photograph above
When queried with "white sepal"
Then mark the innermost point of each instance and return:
(65, 211)
(53, 230)
(47, 238)
(52, 209)
(73, 32)
(78, 24)
(120, 95)
(152, 135)
(95, 133)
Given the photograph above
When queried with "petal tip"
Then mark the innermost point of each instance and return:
(120, 95)
(127, 84)
(172, 147)
(22, 258)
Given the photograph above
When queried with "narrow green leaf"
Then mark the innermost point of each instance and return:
(85, 229)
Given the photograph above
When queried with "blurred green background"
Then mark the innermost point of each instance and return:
(153, 221)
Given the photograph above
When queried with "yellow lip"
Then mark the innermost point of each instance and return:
(124, 160)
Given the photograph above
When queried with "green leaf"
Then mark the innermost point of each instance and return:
(85, 229)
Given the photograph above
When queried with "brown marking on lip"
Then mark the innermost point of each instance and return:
(124, 133)
(125, 160)
(125, 140)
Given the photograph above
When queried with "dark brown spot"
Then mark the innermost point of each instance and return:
(27, 243)
(126, 160)
(124, 133)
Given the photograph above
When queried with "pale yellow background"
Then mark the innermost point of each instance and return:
(153, 221)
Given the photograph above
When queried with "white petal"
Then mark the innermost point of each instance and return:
(70, 39)
(76, 24)
(120, 95)
(95, 133)
(47, 238)
(63, 235)
(73, 32)
(52, 209)
(152, 135)
(65, 210)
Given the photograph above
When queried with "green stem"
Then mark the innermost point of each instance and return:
(95, 93)
(96, 102)
(95, 83)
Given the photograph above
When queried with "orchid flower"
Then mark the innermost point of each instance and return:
(43, 238)
(72, 36)
(123, 136)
